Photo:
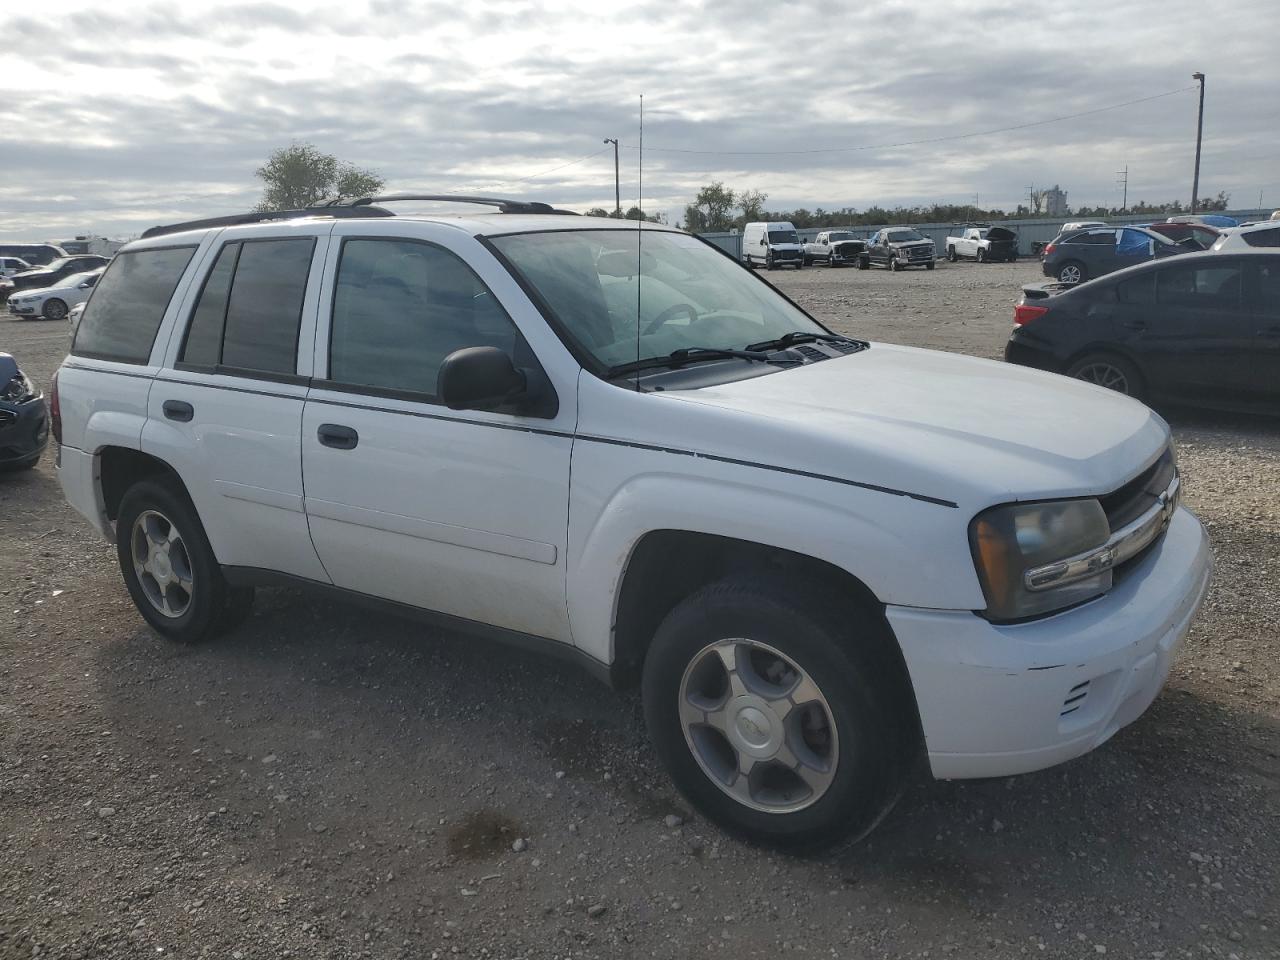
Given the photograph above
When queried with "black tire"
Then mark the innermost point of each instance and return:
(746, 262)
(951, 254)
(18, 466)
(930, 265)
(1073, 271)
(864, 263)
(851, 657)
(1100, 367)
(981, 256)
(894, 267)
(213, 606)
(54, 309)
(768, 261)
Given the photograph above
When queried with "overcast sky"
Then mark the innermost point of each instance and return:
(124, 114)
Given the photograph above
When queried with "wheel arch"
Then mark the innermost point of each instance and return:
(119, 468)
(665, 566)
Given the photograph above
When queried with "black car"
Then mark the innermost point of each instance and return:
(1203, 329)
(24, 419)
(60, 268)
(1081, 255)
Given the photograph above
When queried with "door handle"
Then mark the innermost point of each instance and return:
(337, 436)
(178, 410)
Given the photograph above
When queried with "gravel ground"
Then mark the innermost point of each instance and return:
(328, 783)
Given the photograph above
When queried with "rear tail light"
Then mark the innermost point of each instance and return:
(1049, 248)
(1024, 313)
(55, 410)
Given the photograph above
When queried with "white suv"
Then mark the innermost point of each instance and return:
(818, 557)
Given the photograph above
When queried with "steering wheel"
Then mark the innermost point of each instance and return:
(670, 314)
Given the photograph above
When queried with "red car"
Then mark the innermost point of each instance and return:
(1201, 233)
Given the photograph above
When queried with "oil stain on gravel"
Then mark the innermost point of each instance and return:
(482, 834)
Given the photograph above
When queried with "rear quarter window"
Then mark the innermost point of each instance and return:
(128, 303)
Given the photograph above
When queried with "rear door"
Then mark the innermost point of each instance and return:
(227, 411)
(1195, 340)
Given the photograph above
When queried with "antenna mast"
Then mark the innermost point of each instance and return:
(639, 236)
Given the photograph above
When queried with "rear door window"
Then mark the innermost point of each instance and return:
(250, 309)
(1139, 289)
(1202, 287)
(129, 302)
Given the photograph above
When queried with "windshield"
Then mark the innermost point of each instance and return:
(55, 264)
(898, 236)
(74, 280)
(783, 236)
(689, 293)
(839, 235)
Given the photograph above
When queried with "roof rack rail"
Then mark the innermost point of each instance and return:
(504, 205)
(236, 219)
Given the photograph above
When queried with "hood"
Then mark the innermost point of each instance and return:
(1001, 233)
(969, 431)
(911, 243)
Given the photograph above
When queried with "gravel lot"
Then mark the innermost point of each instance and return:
(328, 783)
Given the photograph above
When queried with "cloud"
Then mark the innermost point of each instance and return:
(121, 114)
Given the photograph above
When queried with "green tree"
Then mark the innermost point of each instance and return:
(711, 210)
(301, 175)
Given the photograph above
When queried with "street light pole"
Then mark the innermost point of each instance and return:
(1195, 183)
(617, 183)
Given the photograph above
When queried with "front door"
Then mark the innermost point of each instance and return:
(461, 512)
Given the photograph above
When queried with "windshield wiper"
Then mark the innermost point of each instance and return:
(799, 336)
(678, 358)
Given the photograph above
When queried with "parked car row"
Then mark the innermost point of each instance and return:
(777, 244)
(51, 290)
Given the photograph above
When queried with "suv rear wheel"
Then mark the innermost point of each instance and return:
(1071, 272)
(779, 715)
(169, 567)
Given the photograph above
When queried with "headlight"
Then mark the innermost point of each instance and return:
(1011, 540)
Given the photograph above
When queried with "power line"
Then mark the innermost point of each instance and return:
(534, 176)
(915, 143)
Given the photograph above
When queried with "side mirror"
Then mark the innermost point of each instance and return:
(84, 286)
(480, 378)
(762, 241)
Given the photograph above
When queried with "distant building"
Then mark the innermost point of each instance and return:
(1055, 202)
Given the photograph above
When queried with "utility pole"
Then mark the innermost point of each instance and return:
(1123, 176)
(1195, 183)
(617, 183)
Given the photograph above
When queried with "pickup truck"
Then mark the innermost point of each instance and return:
(834, 247)
(896, 248)
(983, 244)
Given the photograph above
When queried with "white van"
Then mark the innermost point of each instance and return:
(772, 245)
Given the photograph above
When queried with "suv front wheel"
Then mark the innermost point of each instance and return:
(169, 567)
(779, 715)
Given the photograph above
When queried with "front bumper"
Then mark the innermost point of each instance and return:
(996, 700)
(24, 429)
(24, 309)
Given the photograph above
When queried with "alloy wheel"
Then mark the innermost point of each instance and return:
(1069, 274)
(1105, 375)
(161, 563)
(758, 726)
